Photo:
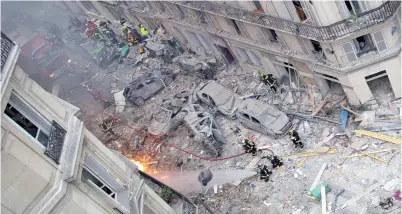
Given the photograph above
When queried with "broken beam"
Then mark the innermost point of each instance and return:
(317, 178)
(378, 136)
(375, 152)
(319, 107)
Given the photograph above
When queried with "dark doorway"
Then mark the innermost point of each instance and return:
(226, 54)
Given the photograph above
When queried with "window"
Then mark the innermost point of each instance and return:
(194, 39)
(100, 178)
(255, 120)
(363, 45)
(356, 7)
(245, 116)
(299, 10)
(28, 119)
(254, 58)
(89, 6)
(235, 26)
(88, 176)
(316, 45)
(379, 41)
(257, 4)
(243, 55)
(375, 76)
(272, 36)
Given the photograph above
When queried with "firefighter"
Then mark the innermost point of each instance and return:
(276, 162)
(142, 50)
(130, 39)
(270, 81)
(265, 173)
(294, 136)
(144, 32)
(250, 147)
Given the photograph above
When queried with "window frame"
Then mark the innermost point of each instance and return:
(113, 192)
(32, 120)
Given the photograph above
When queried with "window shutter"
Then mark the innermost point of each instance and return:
(343, 10)
(194, 39)
(282, 43)
(101, 173)
(254, 58)
(291, 9)
(303, 45)
(380, 41)
(30, 113)
(307, 10)
(203, 42)
(243, 55)
(243, 30)
(260, 37)
(349, 51)
(363, 5)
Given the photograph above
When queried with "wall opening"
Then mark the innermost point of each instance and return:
(236, 27)
(381, 88)
(226, 54)
(257, 5)
(299, 10)
(317, 46)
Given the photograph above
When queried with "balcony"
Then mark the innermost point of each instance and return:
(323, 33)
(55, 142)
(6, 46)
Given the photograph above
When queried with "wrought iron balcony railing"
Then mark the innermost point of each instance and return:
(323, 33)
(55, 142)
(6, 46)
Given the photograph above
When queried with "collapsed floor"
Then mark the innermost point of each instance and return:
(353, 163)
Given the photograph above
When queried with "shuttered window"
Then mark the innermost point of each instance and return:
(380, 41)
(343, 10)
(254, 58)
(194, 39)
(349, 51)
(303, 45)
(261, 38)
(243, 55)
(203, 41)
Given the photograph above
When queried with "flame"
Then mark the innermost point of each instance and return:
(51, 75)
(68, 61)
(140, 166)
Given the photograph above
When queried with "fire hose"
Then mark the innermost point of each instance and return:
(115, 117)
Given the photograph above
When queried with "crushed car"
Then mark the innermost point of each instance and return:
(169, 116)
(146, 86)
(217, 96)
(194, 66)
(205, 130)
(263, 118)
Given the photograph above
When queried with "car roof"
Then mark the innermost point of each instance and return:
(259, 110)
(217, 91)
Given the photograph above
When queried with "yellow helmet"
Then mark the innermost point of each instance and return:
(124, 27)
(262, 74)
(291, 131)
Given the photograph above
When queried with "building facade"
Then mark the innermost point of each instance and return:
(319, 42)
(52, 164)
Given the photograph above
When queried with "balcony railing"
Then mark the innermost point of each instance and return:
(55, 142)
(6, 46)
(323, 33)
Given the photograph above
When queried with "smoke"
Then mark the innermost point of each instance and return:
(187, 182)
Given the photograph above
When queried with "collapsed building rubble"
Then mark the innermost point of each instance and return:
(316, 117)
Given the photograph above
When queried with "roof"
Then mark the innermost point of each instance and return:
(260, 110)
(218, 92)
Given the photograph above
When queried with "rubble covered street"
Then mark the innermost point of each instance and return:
(353, 162)
(352, 152)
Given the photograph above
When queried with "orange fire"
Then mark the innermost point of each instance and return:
(139, 165)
